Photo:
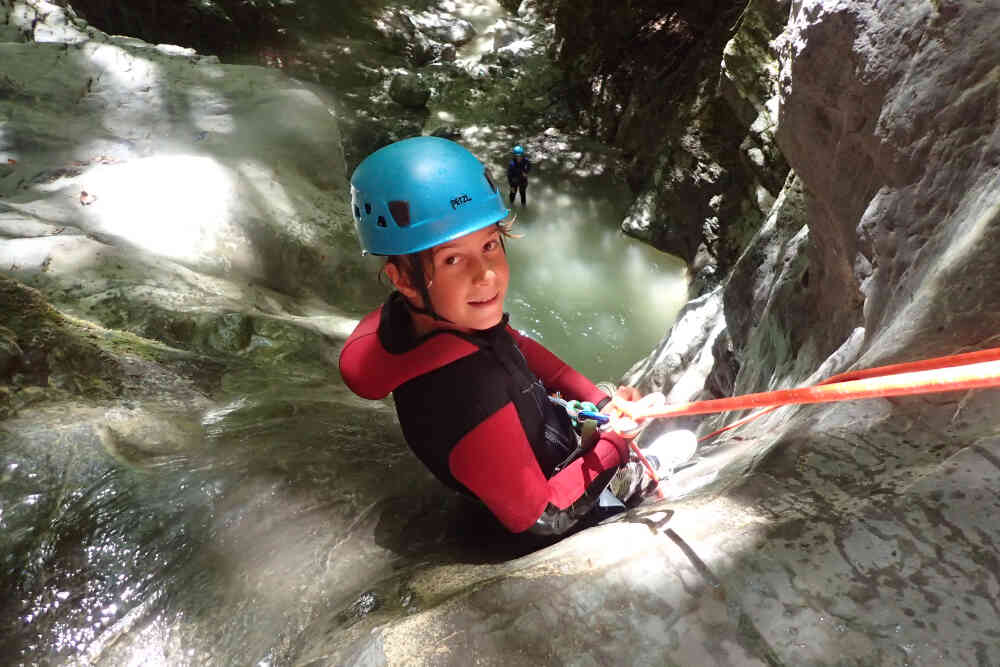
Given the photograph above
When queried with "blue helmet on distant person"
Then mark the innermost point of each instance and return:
(518, 150)
(417, 193)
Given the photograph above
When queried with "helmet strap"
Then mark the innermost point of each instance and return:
(422, 286)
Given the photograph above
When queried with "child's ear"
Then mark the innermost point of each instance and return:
(403, 283)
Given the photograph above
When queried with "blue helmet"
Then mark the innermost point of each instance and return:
(518, 150)
(417, 193)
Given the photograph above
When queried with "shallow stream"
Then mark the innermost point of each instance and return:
(282, 512)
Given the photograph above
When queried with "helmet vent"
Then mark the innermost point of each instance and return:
(381, 222)
(400, 211)
(486, 173)
(368, 208)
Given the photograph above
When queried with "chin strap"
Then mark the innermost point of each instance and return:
(430, 312)
(425, 295)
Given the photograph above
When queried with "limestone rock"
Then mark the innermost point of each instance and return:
(702, 153)
(878, 250)
(401, 35)
(282, 519)
(410, 90)
(446, 28)
(135, 192)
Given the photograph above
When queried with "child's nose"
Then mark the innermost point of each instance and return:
(484, 270)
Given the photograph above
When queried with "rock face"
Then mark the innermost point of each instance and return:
(410, 91)
(156, 173)
(211, 490)
(686, 90)
(208, 25)
(877, 251)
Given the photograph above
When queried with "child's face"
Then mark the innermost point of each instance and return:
(468, 279)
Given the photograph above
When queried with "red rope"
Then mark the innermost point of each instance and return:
(957, 372)
(992, 354)
(952, 360)
(649, 468)
(952, 373)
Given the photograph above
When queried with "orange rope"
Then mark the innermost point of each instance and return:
(942, 374)
(649, 468)
(745, 420)
(992, 354)
(972, 370)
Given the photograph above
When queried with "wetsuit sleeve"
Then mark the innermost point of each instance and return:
(495, 462)
(555, 373)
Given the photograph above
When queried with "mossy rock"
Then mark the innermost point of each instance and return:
(48, 350)
(10, 352)
(51, 357)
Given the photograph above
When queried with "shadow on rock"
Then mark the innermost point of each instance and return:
(447, 527)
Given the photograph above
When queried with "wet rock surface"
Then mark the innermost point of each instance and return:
(860, 496)
(185, 480)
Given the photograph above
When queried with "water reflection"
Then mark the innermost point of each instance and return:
(293, 497)
(597, 298)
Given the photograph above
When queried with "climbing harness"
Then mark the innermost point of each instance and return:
(579, 410)
(623, 426)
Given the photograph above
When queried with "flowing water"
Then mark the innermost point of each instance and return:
(597, 298)
(582, 288)
(278, 516)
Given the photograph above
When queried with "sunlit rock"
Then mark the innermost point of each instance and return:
(231, 502)
(878, 250)
(141, 182)
(445, 27)
(401, 35)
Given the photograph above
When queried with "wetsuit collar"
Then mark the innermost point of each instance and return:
(397, 333)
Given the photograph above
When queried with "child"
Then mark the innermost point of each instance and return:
(471, 393)
(517, 174)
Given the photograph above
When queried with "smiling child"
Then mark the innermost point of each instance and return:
(471, 392)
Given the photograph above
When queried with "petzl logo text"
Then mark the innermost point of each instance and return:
(459, 200)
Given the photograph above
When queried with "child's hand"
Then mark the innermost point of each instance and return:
(623, 394)
(627, 406)
(628, 393)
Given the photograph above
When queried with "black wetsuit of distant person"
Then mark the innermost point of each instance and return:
(517, 175)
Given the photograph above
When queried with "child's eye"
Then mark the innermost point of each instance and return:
(451, 260)
(491, 245)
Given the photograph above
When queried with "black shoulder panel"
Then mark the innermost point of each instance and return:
(438, 408)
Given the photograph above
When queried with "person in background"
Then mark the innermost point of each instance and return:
(472, 393)
(517, 174)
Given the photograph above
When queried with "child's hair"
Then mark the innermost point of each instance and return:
(412, 265)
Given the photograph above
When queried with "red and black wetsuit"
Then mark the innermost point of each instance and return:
(474, 408)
